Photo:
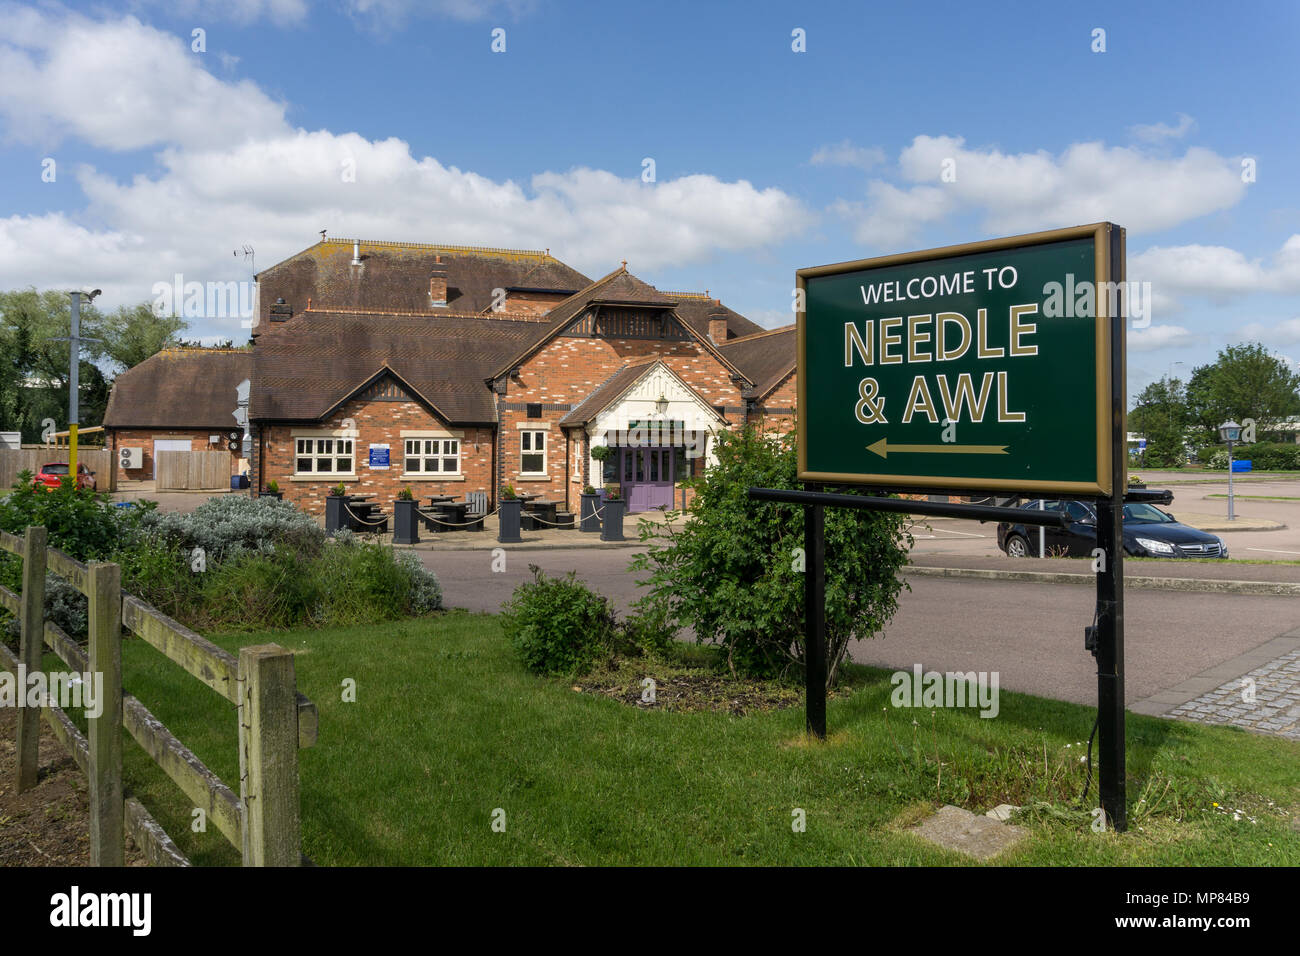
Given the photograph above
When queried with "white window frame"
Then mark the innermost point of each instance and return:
(542, 472)
(317, 454)
(426, 456)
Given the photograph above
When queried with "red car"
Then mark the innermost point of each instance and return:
(52, 474)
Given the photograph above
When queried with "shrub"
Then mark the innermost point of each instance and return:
(81, 523)
(64, 605)
(557, 625)
(231, 524)
(426, 592)
(273, 486)
(733, 572)
(1263, 456)
(508, 493)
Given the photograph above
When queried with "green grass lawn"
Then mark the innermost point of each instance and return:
(447, 727)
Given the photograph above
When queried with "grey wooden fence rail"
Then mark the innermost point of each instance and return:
(274, 720)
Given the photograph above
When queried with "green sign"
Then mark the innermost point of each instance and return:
(982, 366)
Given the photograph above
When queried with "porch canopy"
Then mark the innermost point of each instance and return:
(658, 425)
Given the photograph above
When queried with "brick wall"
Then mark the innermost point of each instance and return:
(375, 422)
(778, 408)
(144, 438)
(565, 372)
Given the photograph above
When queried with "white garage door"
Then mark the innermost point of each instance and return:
(167, 444)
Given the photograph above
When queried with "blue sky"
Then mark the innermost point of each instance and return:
(766, 160)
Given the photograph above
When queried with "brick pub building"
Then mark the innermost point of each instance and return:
(451, 369)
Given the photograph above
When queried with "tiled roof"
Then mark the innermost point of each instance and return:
(324, 357)
(765, 359)
(180, 388)
(394, 277)
(695, 309)
(608, 392)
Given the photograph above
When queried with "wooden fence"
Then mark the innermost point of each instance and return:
(14, 460)
(193, 470)
(274, 720)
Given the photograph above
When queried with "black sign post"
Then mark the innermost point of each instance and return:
(814, 586)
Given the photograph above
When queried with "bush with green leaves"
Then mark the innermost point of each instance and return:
(81, 523)
(227, 525)
(734, 572)
(1263, 456)
(558, 625)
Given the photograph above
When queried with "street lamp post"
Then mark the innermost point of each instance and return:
(1230, 432)
(74, 374)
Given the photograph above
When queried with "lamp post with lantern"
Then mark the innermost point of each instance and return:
(1230, 432)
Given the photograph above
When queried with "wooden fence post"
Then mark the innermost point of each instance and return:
(31, 643)
(268, 756)
(107, 836)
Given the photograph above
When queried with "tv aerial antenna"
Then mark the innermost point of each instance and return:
(247, 251)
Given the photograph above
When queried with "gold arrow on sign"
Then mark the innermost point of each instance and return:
(883, 449)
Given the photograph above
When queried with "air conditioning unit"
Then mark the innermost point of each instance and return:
(132, 457)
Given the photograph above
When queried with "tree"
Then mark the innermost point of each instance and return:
(1161, 417)
(1246, 381)
(735, 573)
(34, 356)
(134, 333)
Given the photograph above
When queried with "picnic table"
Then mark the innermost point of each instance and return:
(450, 516)
(441, 499)
(364, 516)
(542, 510)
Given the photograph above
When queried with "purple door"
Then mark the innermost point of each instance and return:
(647, 476)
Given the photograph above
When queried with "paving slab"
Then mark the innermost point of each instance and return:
(980, 837)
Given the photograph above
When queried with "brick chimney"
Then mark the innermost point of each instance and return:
(438, 284)
(280, 312)
(717, 323)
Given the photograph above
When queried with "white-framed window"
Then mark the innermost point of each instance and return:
(324, 456)
(532, 452)
(432, 456)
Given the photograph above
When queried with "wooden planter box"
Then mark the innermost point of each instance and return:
(611, 524)
(588, 519)
(335, 516)
(508, 532)
(406, 522)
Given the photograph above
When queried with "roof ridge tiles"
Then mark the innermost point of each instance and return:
(757, 335)
(441, 314)
(442, 247)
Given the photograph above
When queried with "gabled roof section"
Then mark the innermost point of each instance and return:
(618, 287)
(394, 276)
(694, 308)
(766, 358)
(326, 357)
(614, 388)
(180, 388)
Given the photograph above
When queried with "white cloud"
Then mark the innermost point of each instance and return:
(1159, 337)
(1159, 132)
(120, 85)
(275, 187)
(1217, 272)
(279, 12)
(395, 13)
(1022, 192)
(1283, 333)
(846, 154)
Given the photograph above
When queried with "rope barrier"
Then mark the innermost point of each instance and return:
(383, 519)
(452, 524)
